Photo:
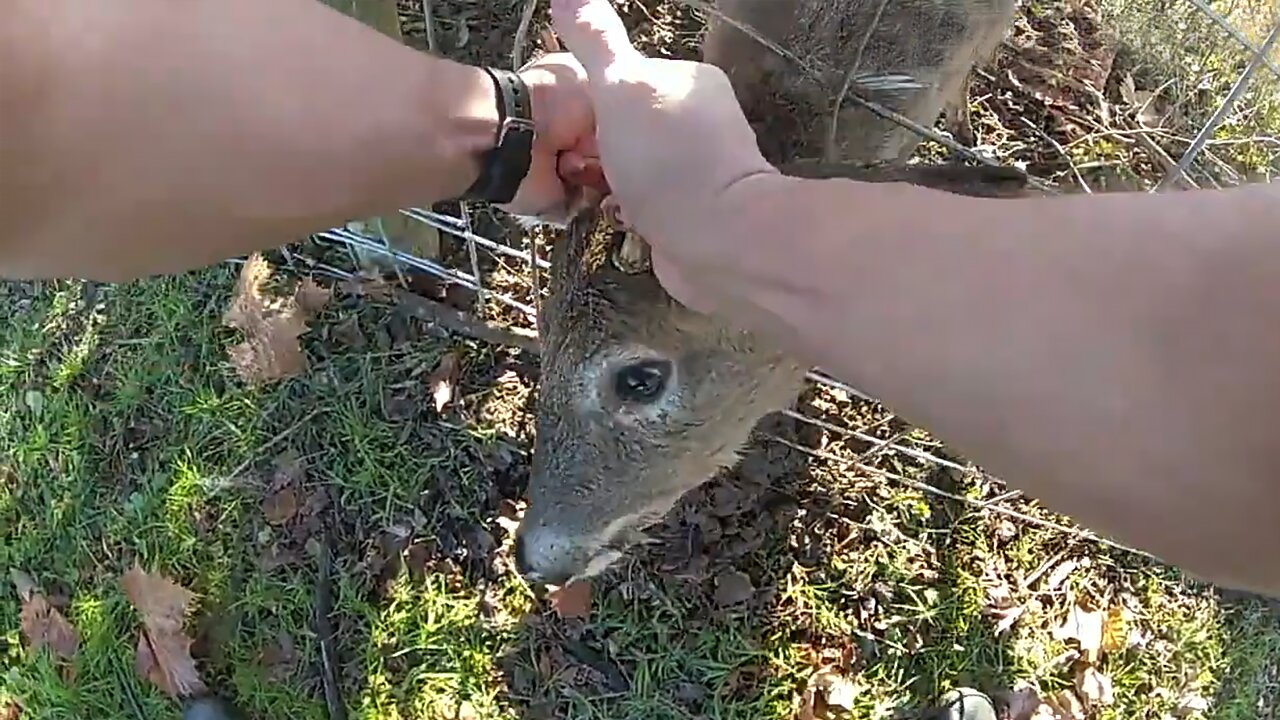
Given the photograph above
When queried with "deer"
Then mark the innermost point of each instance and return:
(641, 399)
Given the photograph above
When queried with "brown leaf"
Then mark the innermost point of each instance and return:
(368, 286)
(1063, 705)
(271, 326)
(45, 627)
(837, 690)
(279, 658)
(164, 649)
(11, 711)
(443, 379)
(1115, 629)
(1021, 703)
(572, 600)
(280, 507)
(1093, 686)
(311, 296)
(1085, 627)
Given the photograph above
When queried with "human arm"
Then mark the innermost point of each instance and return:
(167, 136)
(1114, 356)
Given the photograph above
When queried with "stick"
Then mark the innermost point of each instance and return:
(324, 630)
(440, 315)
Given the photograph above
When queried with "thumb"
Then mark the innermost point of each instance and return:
(594, 33)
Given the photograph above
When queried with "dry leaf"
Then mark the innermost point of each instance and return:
(280, 507)
(572, 600)
(311, 296)
(164, 649)
(1063, 705)
(1060, 574)
(1085, 627)
(45, 627)
(443, 379)
(1191, 705)
(11, 711)
(271, 326)
(836, 689)
(279, 658)
(1020, 703)
(1116, 634)
(1093, 686)
(368, 286)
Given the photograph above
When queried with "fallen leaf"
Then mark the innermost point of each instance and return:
(1063, 705)
(271, 326)
(280, 507)
(836, 689)
(443, 379)
(1085, 627)
(1116, 635)
(10, 711)
(572, 600)
(164, 649)
(733, 588)
(368, 286)
(467, 711)
(279, 658)
(1021, 703)
(45, 628)
(1093, 686)
(311, 296)
(1191, 705)
(1060, 574)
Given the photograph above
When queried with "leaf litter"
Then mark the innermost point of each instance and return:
(271, 325)
(444, 379)
(43, 626)
(163, 653)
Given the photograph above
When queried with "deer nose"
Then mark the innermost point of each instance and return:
(536, 559)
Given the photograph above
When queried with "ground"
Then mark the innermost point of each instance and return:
(128, 438)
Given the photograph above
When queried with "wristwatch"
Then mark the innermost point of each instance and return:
(504, 166)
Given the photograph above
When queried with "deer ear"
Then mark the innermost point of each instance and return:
(631, 255)
(980, 181)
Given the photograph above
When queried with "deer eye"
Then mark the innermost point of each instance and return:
(642, 382)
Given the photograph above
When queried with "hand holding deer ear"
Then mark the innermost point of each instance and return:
(672, 137)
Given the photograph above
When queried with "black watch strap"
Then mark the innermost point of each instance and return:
(504, 166)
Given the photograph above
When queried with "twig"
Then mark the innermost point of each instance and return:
(324, 629)
(434, 313)
(1168, 164)
(1061, 151)
(848, 82)
(1237, 90)
(268, 445)
(976, 504)
(522, 34)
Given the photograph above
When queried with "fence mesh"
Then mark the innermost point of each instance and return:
(1083, 95)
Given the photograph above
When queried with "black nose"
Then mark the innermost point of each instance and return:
(522, 557)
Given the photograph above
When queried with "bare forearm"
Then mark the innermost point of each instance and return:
(1113, 356)
(171, 135)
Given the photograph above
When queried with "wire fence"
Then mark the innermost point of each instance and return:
(504, 272)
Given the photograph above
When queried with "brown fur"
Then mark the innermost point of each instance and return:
(604, 468)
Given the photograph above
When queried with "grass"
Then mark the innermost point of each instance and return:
(127, 438)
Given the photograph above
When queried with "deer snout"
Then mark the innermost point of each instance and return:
(544, 555)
